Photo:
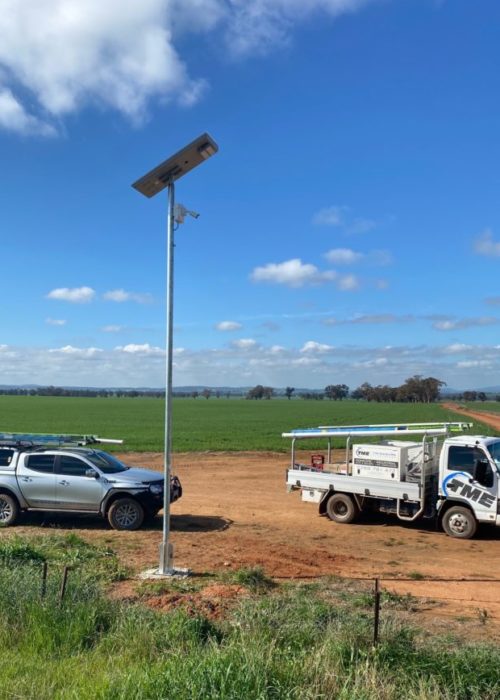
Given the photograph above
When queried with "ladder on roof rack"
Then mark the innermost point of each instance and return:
(46, 439)
(380, 429)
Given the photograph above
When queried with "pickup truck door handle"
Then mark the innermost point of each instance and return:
(64, 482)
(26, 478)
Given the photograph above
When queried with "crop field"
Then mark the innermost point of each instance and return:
(201, 424)
(488, 406)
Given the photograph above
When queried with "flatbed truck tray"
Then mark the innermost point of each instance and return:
(313, 479)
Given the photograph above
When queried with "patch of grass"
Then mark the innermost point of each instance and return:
(17, 550)
(416, 575)
(94, 561)
(255, 579)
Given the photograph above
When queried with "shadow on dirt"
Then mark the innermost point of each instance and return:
(178, 523)
(198, 523)
(426, 526)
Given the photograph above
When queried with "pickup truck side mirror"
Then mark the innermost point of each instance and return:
(92, 474)
(483, 473)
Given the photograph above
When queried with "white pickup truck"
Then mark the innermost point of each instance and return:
(57, 473)
(455, 480)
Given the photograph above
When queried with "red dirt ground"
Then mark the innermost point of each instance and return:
(235, 512)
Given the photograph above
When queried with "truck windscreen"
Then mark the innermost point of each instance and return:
(494, 450)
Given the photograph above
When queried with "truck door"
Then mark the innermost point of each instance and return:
(77, 487)
(35, 476)
(469, 477)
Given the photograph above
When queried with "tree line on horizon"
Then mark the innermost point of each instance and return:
(416, 389)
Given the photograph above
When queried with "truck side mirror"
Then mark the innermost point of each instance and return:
(91, 474)
(482, 472)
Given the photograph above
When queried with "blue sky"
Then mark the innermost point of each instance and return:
(349, 226)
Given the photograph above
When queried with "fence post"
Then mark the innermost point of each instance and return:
(44, 579)
(376, 611)
(63, 583)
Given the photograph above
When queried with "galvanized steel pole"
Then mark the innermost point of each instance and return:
(166, 550)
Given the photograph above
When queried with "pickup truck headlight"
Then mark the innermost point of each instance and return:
(156, 489)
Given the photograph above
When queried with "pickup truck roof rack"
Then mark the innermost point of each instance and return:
(332, 431)
(52, 440)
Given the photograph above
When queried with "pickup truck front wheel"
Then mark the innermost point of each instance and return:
(9, 510)
(126, 514)
(341, 508)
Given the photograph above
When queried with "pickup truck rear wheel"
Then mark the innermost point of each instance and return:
(341, 508)
(126, 514)
(9, 510)
(459, 521)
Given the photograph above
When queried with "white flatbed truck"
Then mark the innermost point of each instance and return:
(454, 479)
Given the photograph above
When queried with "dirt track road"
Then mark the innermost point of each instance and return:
(492, 419)
(235, 512)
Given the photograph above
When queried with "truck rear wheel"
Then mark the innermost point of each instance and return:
(341, 508)
(9, 510)
(126, 514)
(460, 522)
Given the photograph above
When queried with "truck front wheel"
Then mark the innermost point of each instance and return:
(126, 514)
(341, 508)
(459, 522)
(9, 510)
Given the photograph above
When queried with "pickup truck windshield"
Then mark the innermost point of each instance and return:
(494, 450)
(107, 463)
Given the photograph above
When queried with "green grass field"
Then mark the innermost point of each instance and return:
(200, 424)
(488, 406)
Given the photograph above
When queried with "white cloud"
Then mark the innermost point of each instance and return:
(293, 273)
(347, 256)
(338, 217)
(120, 296)
(343, 256)
(228, 326)
(457, 348)
(55, 321)
(14, 117)
(64, 55)
(452, 324)
(71, 53)
(329, 216)
(244, 343)
(262, 24)
(348, 283)
(144, 349)
(360, 226)
(313, 347)
(368, 319)
(312, 365)
(486, 245)
(77, 352)
(468, 364)
(112, 329)
(75, 295)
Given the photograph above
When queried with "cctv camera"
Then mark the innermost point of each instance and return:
(180, 213)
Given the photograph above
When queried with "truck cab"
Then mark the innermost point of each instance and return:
(469, 483)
